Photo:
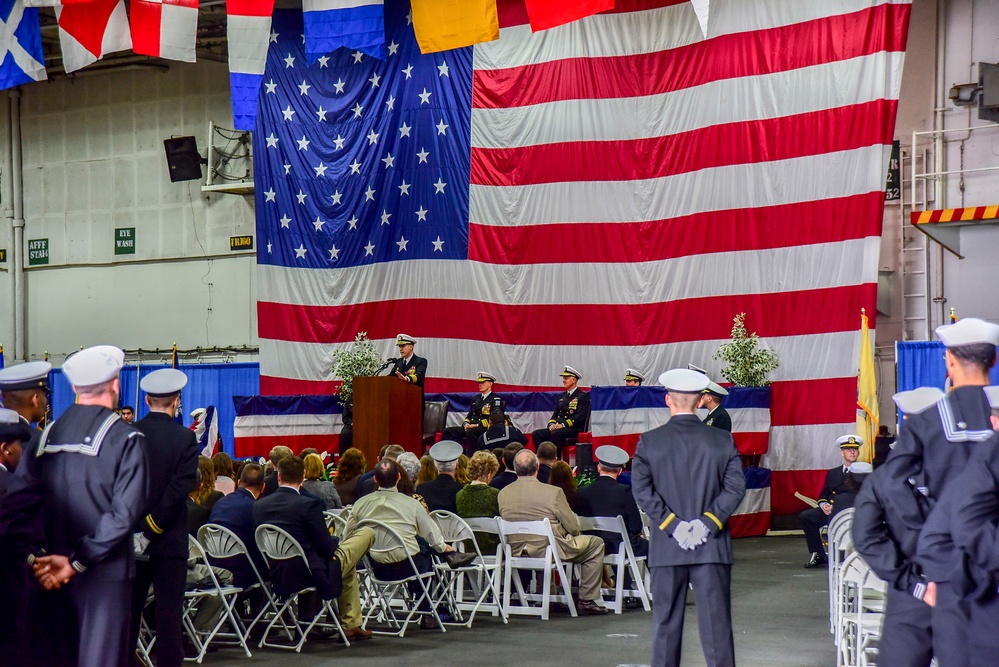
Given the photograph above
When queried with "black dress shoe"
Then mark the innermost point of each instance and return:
(590, 608)
(817, 560)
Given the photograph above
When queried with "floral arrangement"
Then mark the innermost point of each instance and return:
(749, 365)
(358, 359)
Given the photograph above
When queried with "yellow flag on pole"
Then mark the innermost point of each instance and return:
(441, 25)
(867, 392)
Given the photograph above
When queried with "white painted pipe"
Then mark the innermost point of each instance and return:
(18, 221)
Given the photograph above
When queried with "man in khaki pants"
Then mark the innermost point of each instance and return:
(527, 499)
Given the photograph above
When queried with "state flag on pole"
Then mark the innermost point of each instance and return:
(867, 392)
(165, 28)
(89, 31)
(249, 33)
(23, 61)
(545, 14)
(441, 25)
(355, 24)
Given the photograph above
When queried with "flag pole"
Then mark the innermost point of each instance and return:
(867, 390)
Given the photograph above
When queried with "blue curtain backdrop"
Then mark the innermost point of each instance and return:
(208, 384)
(921, 364)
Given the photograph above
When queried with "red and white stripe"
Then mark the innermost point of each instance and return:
(248, 30)
(165, 28)
(89, 31)
(631, 191)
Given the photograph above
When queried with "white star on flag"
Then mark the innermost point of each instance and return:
(274, 37)
(285, 221)
(303, 143)
(404, 187)
(369, 194)
(358, 56)
(389, 161)
(319, 222)
(440, 185)
(438, 245)
(320, 170)
(271, 87)
(408, 71)
(289, 62)
(321, 112)
(385, 217)
(422, 155)
(270, 247)
(353, 222)
(355, 167)
(357, 110)
(272, 141)
(287, 169)
(390, 103)
(300, 251)
(301, 196)
(444, 70)
(324, 61)
(337, 196)
(303, 88)
(339, 86)
(288, 113)
(421, 213)
(402, 243)
(270, 195)
(334, 252)
(374, 80)
(372, 138)
(442, 127)
(392, 48)
(369, 249)
(338, 142)
(404, 130)
(425, 97)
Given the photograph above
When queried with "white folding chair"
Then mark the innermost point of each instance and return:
(483, 576)
(387, 594)
(860, 620)
(221, 544)
(623, 561)
(839, 544)
(516, 532)
(146, 636)
(277, 545)
(336, 522)
(225, 594)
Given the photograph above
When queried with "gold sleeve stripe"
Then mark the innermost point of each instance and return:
(665, 523)
(715, 519)
(152, 524)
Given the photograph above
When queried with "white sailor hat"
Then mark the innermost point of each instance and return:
(445, 451)
(404, 339)
(968, 331)
(692, 367)
(485, 377)
(850, 442)
(716, 389)
(12, 427)
(993, 395)
(861, 468)
(94, 365)
(611, 456)
(164, 382)
(570, 371)
(631, 375)
(684, 380)
(197, 412)
(915, 401)
(30, 375)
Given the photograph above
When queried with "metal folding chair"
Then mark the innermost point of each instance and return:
(390, 593)
(221, 544)
(483, 576)
(549, 562)
(225, 594)
(623, 560)
(277, 545)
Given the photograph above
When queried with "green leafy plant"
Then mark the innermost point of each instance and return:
(358, 359)
(749, 365)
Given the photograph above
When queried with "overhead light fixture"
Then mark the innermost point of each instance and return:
(964, 94)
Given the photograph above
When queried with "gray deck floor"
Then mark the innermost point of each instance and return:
(780, 617)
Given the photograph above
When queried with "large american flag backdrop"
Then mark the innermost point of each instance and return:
(606, 194)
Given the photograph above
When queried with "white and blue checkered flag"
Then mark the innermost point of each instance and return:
(21, 38)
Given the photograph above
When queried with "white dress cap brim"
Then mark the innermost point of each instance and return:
(684, 380)
(94, 365)
(915, 401)
(968, 331)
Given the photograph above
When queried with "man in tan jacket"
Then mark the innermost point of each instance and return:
(527, 499)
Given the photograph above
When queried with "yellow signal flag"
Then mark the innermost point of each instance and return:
(441, 25)
(867, 392)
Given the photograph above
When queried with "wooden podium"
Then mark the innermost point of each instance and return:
(387, 411)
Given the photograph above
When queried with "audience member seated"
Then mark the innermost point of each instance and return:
(410, 520)
(500, 433)
(409, 465)
(317, 486)
(527, 499)
(270, 480)
(547, 456)
(441, 491)
(366, 482)
(562, 477)
(351, 466)
(197, 514)
(428, 470)
(605, 497)
(498, 453)
(478, 499)
(235, 512)
(225, 481)
(332, 561)
(205, 494)
(508, 476)
(461, 470)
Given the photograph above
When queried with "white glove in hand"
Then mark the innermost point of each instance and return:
(698, 534)
(682, 533)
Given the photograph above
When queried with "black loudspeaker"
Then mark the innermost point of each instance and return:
(183, 159)
(584, 457)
